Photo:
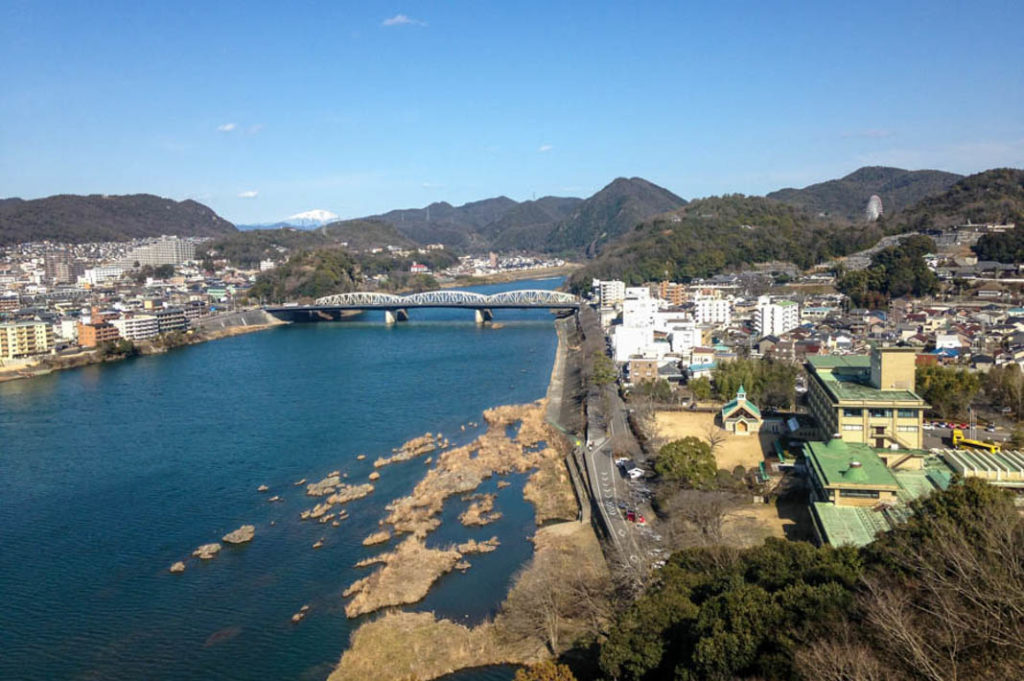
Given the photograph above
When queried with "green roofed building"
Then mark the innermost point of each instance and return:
(867, 399)
(858, 491)
(741, 417)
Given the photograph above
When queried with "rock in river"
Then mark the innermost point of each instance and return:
(207, 551)
(178, 567)
(241, 535)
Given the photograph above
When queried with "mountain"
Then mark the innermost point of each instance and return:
(366, 234)
(310, 219)
(710, 235)
(77, 219)
(847, 197)
(617, 208)
(551, 223)
(453, 226)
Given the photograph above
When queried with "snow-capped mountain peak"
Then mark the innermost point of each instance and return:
(311, 218)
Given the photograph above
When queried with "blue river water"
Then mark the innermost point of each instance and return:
(108, 474)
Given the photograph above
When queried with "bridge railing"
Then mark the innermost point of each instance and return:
(448, 297)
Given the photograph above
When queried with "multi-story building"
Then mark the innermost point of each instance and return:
(610, 292)
(166, 251)
(137, 327)
(868, 399)
(673, 293)
(95, 333)
(643, 369)
(775, 319)
(24, 339)
(96, 275)
(712, 309)
(170, 319)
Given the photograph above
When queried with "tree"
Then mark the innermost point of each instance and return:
(696, 517)
(701, 388)
(949, 390)
(545, 671)
(688, 461)
(604, 372)
(556, 597)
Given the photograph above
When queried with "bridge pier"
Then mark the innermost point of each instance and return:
(483, 315)
(396, 315)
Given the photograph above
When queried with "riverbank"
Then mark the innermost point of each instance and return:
(420, 645)
(513, 275)
(251, 322)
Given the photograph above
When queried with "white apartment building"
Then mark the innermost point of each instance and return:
(137, 327)
(96, 275)
(681, 329)
(713, 309)
(166, 251)
(609, 293)
(639, 312)
(775, 319)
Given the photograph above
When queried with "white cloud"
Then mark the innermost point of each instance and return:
(253, 129)
(544, 148)
(431, 185)
(402, 20)
(227, 127)
(248, 194)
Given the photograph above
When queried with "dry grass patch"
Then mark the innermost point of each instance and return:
(418, 446)
(735, 450)
(480, 511)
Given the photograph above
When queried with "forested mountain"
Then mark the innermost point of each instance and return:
(551, 223)
(455, 226)
(77, 219)
(710, 235)
(366, 234)
(609, 213)
(848, 196)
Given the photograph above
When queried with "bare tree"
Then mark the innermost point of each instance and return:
(557, 596)
(842, 657)
(716, 437)
(697, 517)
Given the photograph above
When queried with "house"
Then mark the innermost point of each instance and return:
(741, 417)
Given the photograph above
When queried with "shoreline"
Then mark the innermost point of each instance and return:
(90, 357)
(512, 275)
(392, 646)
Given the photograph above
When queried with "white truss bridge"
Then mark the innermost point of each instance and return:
(396, 308)
(449, 298)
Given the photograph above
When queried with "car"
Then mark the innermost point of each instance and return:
(990, 428)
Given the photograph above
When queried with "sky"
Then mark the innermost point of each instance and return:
(264, 109)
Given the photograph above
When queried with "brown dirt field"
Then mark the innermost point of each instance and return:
(750, 525)
(737, 450)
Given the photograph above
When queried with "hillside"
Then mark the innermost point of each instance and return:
(614, 210)
(528, 225)
(713, 234)
(848, 196)
(366, 234)
(77, 219)
(454, 226)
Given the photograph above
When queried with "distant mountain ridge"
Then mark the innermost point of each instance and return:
(96, 217)
(551, 223)
(848, 196)
(310, 219)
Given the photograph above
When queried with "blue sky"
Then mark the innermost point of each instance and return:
(264, 109)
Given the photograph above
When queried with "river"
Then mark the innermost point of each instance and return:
(108, 474)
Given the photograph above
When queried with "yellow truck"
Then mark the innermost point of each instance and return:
(962, 442)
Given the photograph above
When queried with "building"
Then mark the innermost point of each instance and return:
(24, 339)
(97, 275)
(713, 309)
(849, 474)
(639, 309)
(673, 293)
(165, 251)
(741, 417)
(137, 327)
(609, 293)
(775, 319)
(170, 319)
(95, 333)
(643, 369)
(418, 268)
(867, 399)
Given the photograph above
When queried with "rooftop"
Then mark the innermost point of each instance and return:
(841, 463)
(848, 378)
